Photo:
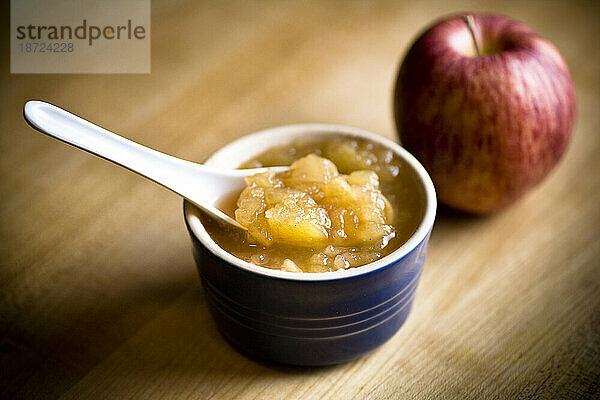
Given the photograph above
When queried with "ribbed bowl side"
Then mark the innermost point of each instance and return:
(309, 322)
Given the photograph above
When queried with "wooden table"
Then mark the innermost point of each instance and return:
(99, 296)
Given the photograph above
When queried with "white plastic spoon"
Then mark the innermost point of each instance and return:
(202, 185)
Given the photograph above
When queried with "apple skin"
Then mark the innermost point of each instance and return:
(487, 128)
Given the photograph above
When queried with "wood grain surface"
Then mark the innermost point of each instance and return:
(99, 296)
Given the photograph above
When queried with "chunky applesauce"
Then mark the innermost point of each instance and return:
(343, 203)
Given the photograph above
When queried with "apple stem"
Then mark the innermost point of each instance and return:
(470, 24)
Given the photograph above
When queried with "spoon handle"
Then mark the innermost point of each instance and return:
(202, 185)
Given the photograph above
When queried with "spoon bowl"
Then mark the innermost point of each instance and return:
(202, 185)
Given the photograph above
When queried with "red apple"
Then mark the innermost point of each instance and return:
(488, 107)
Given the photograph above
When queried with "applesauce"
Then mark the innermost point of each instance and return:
(344, 203)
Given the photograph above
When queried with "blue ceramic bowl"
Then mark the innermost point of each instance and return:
(309, 318)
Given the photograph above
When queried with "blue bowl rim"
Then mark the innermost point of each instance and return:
(286, 134)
